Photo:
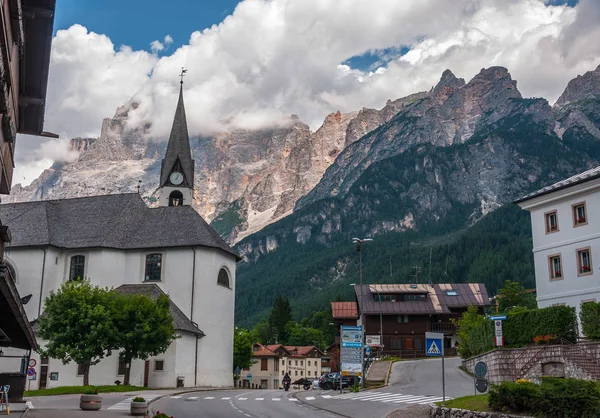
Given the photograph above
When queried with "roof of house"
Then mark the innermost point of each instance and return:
(440, 298)
(588, 175)
(180, 321)
(263, 351)
(121, 221)
(301, 351)
(280, 350)
(38, 23)
(344, 310)
(178, 148)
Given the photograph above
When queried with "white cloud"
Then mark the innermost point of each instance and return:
(272, 58)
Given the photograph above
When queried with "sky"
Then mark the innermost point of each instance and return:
(253, 63)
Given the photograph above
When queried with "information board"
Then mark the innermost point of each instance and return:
(352, 350)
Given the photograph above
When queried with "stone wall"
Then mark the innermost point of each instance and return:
(554, 361)
(441, 412)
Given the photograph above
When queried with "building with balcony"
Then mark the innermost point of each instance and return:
(25, 41)
(401, 314)
(565, 220)
(273, 361)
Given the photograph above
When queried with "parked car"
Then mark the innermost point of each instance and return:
(332, 381)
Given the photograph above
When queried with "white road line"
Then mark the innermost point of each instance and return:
(293, 400)
(176, 397)
(209, 397)
(226, 398)
(326, 396)
(242, 399)
(380, 398)
(412, 398)
(259, 399)
(276, 399)
(310, 398)
(430, 400)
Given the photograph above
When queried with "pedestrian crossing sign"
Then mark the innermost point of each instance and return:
(434, 344)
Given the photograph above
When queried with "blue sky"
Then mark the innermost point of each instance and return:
(138, 22)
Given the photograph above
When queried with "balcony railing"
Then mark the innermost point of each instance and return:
(445, 327)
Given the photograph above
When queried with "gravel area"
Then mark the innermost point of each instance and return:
(417, 411)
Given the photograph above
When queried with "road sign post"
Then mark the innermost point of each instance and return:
(434, 347)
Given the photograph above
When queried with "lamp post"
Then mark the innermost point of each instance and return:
(358, 242)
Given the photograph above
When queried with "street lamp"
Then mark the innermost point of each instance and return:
(358, 242)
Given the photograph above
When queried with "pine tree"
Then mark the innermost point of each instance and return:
(280, 315)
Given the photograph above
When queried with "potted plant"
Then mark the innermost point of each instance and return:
(139, 406)
(90, 400)
(161, 415)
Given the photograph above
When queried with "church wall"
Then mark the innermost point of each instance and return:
(214, 314)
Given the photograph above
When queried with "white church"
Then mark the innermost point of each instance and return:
(118, 241)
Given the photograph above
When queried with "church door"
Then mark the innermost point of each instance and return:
(146, 372)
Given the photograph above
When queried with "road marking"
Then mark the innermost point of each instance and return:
(176, 397)
(310, 398)
(276, 399)
(225, 399)
(326, 396)
(125, 404)
(293, 400)
(243, 399)
(259, 399)
(210, 397)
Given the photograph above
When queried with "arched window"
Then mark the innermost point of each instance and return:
(175, 198)
(77, 267)
(153, 267)
(223, 279)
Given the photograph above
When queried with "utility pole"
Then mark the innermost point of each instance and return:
(418, 270)
(430, 252)
(358, 242)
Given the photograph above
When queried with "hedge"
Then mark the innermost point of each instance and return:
(519, 328)
(590, 320)
(553, 398)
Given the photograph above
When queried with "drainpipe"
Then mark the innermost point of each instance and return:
(192, 317)
(196, 362)
(42, 285)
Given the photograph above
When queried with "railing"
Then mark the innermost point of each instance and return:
(445, 327)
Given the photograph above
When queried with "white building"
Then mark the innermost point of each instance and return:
(117, 241)
(565, 222)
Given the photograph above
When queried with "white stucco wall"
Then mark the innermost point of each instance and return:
(572, 289)
(213, 307)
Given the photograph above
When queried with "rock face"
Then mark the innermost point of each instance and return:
(244, 179)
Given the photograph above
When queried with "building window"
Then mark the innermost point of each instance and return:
(283, 362)
(176, 198)
(551, 222)
(77, 267)
(153, 267)
(584, 262)
(122, 366)
(308, 373)
(159, 365)
(263, 364)
(555, 267)
(451, 293)
(223, 278)
(301, 372)
(402, 318)
(296, 362)
(302, 362)
(579, 214)
(418, 345)
(80, 369)
(413, 298)
(384, 298)
(296, 372)
(396, 344)
(276, 363)
(308, 363)
(289, 362)
(283, 372)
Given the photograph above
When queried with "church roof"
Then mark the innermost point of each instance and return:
(180, 321)
(121, 221)
(178, 148)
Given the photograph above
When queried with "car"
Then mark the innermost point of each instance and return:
(332, 381)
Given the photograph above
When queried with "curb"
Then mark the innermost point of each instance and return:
(387, 375)
(318, 407)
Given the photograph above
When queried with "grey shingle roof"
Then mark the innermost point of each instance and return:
(180, 321)
(178, 148)
(437, 300)
(121, 221)
(588, 175)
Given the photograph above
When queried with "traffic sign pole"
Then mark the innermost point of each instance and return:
(443, 380)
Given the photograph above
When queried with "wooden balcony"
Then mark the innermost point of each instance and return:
(443, 327)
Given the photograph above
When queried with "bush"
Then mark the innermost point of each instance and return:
(521, 327)
(553, 398)
(514, 397)
(139, 399)
(590, 320)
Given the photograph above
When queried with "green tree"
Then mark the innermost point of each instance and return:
(79, 324)
(468, 321)
(299, 335)
(242, 349)
(262, 333)
(145, 327)
(280, 315)
(514, 294)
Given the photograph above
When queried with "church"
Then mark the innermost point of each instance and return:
(118, 241)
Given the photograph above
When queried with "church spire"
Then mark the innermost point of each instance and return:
(177, 169)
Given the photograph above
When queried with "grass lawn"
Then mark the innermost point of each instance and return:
(68, 390)
(473, 403)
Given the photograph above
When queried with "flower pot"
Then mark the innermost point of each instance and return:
(90, 402)
(139, 408)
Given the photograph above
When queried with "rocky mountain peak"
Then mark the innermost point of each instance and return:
(582, 87)
(449, 79)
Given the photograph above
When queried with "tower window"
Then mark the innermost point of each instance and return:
(77, 267)
(153, 267)
(223, 278)
(175, 198)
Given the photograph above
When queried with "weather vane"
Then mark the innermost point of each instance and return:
(183, 71)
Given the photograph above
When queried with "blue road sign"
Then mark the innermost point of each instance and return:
(367, 349)
(434, 346)
(498, 318)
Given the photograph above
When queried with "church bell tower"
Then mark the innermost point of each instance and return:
(177, 168)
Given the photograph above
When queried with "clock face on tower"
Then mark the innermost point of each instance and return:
(176, 178)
